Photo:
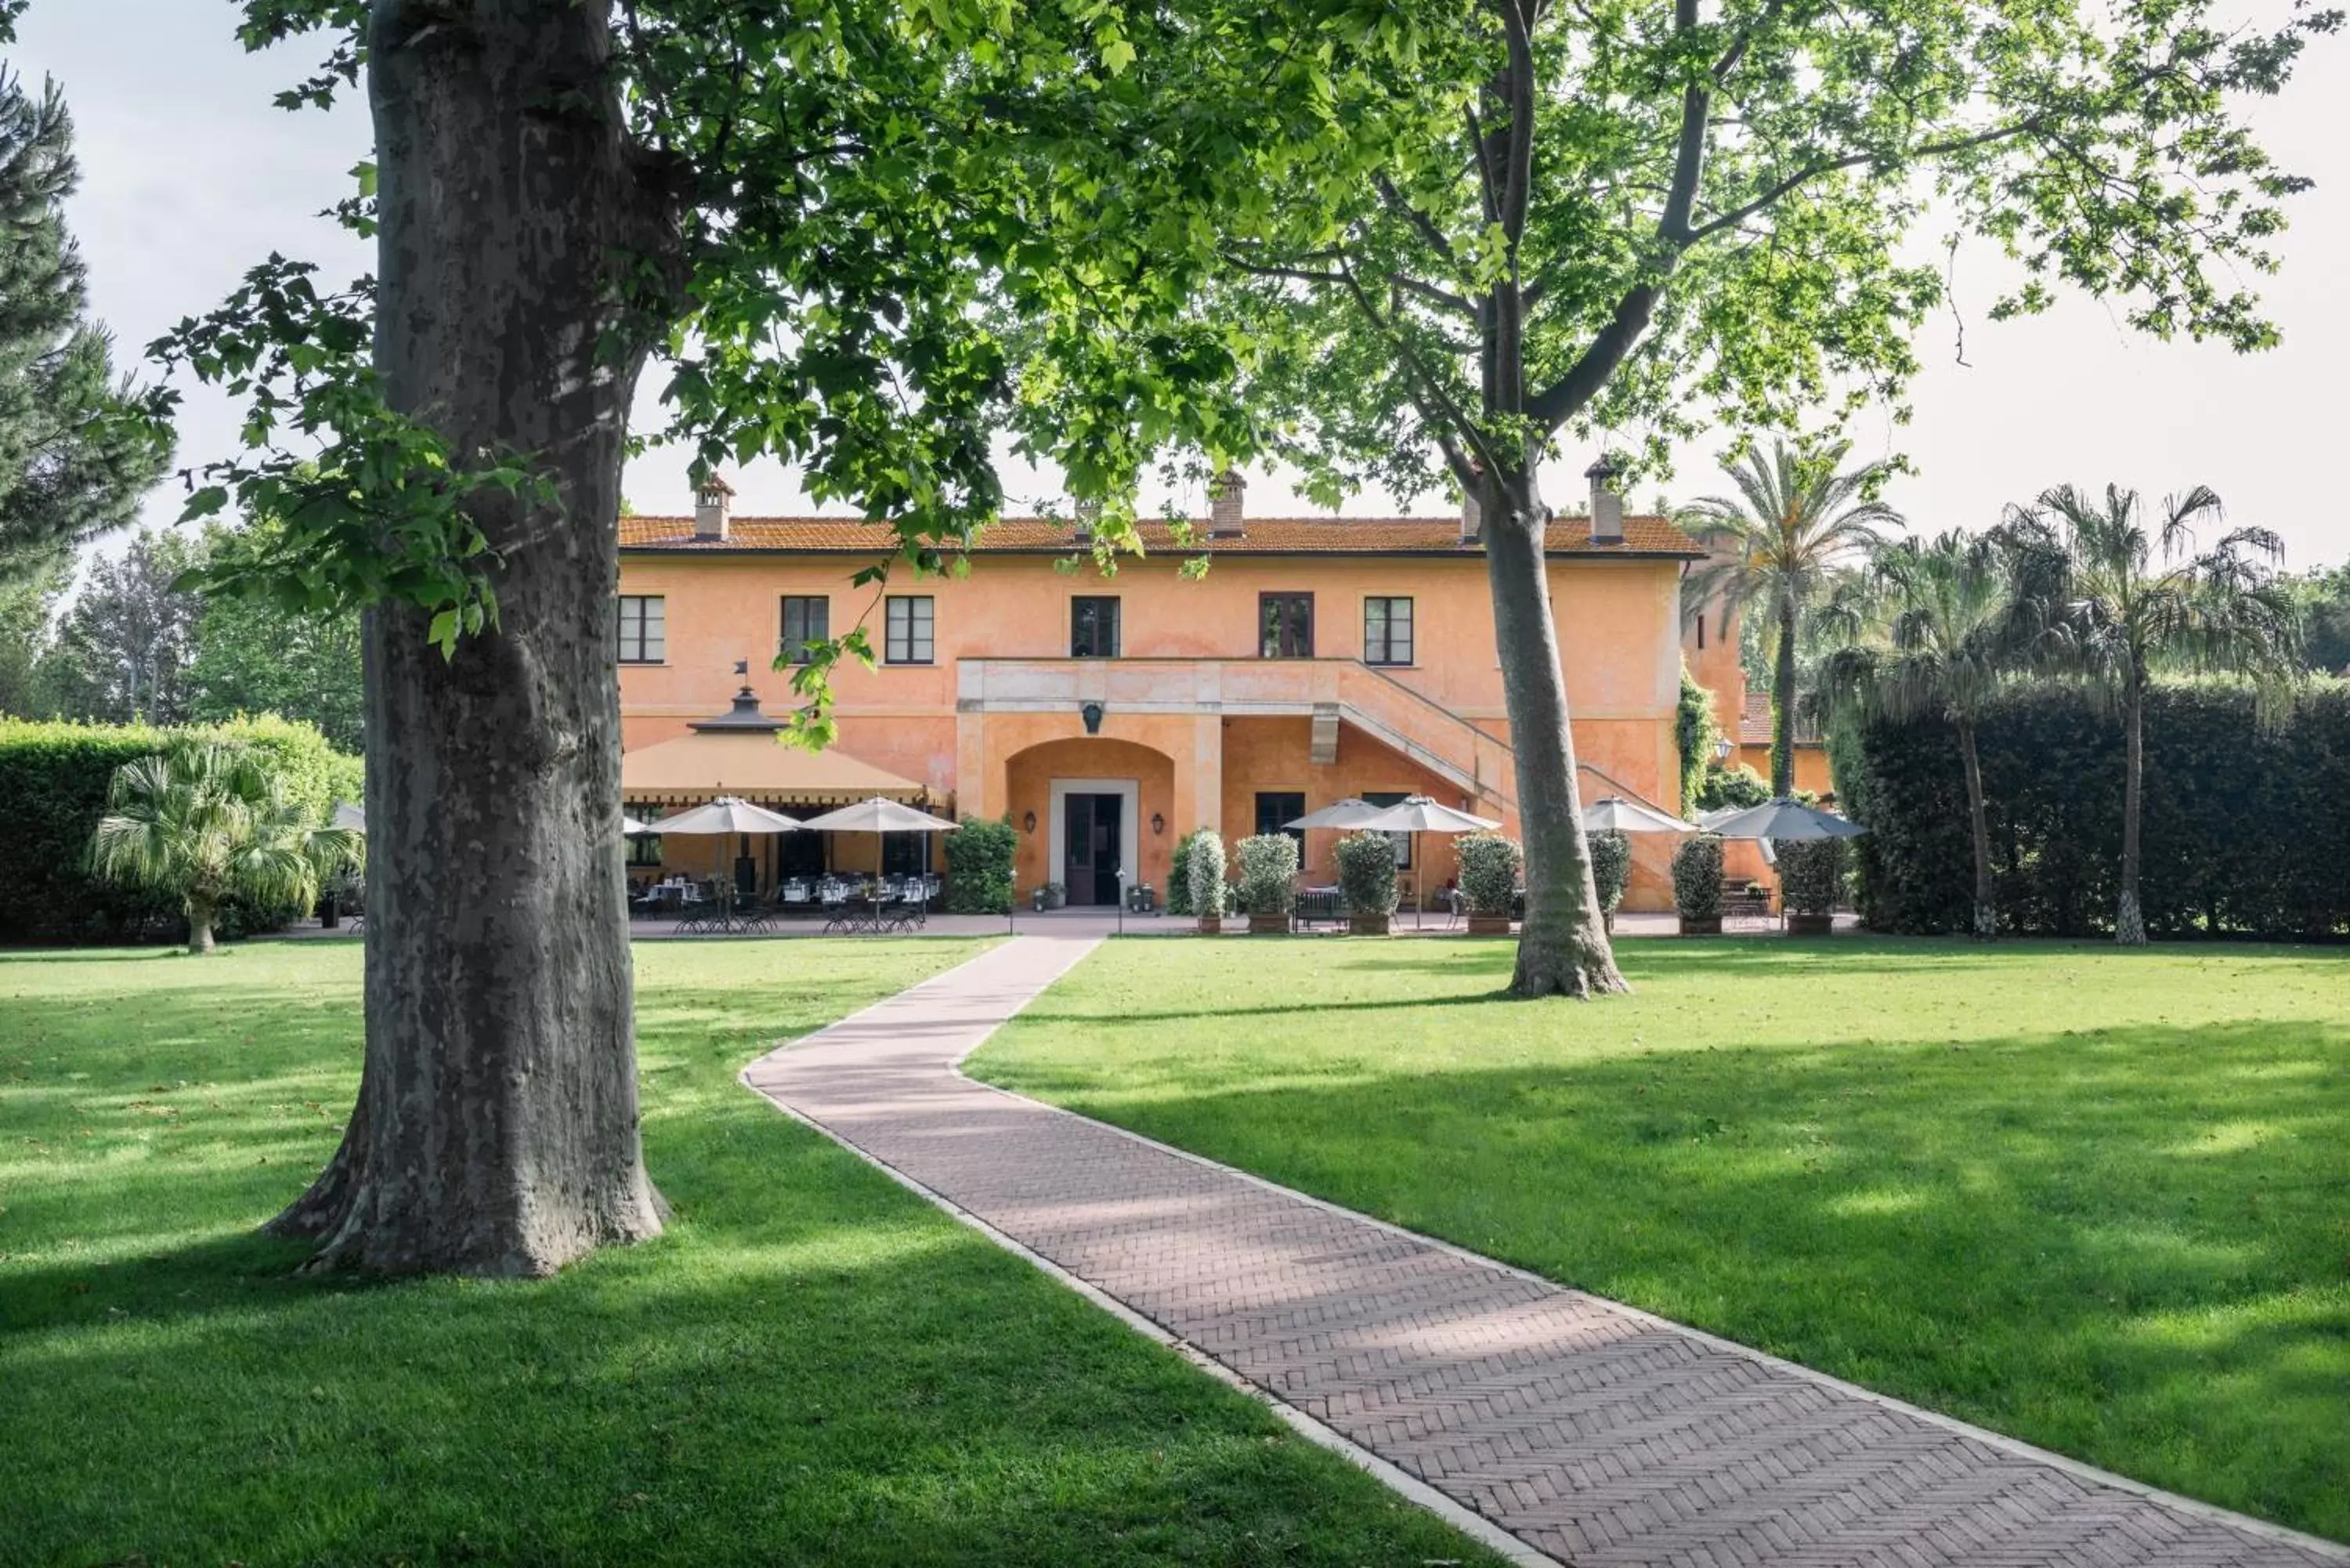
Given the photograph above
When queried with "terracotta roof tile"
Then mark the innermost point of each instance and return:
(1643, 537)
(1754, 722)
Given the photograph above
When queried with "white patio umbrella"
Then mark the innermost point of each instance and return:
(727, 814)
(630, 827)
(1615, 814)
(348, 817)
(1417, 814)
(1347, 813)
(1782, 818)
(879, 815)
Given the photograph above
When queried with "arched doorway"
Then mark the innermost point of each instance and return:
(1093, 815)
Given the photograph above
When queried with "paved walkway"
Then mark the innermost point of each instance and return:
(1597, 1434)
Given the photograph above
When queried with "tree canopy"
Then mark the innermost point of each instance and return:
(78, 448)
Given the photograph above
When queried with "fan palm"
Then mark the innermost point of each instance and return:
(204, 823)
(1938, 629)
(2129, 600)
(1783, 541)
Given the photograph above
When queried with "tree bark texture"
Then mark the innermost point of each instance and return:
(1979, 824)
(496, 1128)
(2129, 921)
(1563, 948)
(202, 914)
(1782, 706)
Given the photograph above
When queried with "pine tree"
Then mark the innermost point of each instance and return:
(77, 447)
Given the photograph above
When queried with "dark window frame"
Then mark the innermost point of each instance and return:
(1384, 653)
(794, 649)
(1273, 821)
(658, 643)
(1078, 605)
(1274, 641)
(891, 641)
(1402, 841)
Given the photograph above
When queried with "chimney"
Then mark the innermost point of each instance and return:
(1607, 507)
(713, 508)
(1226, 493)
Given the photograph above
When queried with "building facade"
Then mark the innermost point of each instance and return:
(1293, 662)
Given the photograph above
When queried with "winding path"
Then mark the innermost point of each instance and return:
(1594, 1434)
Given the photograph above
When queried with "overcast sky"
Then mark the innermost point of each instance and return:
(190, 175)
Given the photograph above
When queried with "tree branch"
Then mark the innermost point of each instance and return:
(1445, 412)
(1419, 220)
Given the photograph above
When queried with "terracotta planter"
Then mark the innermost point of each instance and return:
(1367, 925)
(1268, 925)
(1801, 925)
(1701, 926)
(1489, 925)
(1211, 925)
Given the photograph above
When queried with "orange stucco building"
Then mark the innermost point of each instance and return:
(1108, 714)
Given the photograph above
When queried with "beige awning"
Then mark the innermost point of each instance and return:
(756, 766)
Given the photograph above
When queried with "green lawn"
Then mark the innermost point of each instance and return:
(2097, 1200)
(812, 1367)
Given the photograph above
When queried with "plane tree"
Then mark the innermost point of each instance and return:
(864, 237)
(1634, 216)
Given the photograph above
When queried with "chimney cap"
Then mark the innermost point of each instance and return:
(715, 482)
(1606, 468)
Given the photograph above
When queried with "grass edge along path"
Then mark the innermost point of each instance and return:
(813, 1365)
(2096, 1201)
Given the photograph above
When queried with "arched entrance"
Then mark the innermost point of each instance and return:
(1093, 815)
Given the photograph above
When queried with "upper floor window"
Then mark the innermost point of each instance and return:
(640, 627)
(907, 638)
(1387, 631)
(807, 618)
(1285, 626)
(1093, 627)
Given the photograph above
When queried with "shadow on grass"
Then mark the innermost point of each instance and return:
(2124, 1245)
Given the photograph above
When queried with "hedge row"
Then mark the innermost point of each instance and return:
(2247, 828)
(53, 785)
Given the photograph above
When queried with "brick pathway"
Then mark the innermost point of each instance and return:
(1598, 1435)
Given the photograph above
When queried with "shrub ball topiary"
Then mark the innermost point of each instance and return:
(979, 867)
(1366, 873)
(1697, 878)
(1489, 863)
(1812, 873)
(1268, 867)
(1203, 873)
(1611, 864)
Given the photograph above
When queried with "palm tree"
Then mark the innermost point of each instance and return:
(1940, 628)
(204, 822)
(1792, 529)
(2127, 602)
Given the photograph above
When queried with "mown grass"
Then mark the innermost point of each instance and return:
(812, 1366)
(2096, 1199)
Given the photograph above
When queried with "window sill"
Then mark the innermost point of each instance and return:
(909, 664)
(642, 663)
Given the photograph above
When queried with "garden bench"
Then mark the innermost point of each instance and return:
(1318, 905)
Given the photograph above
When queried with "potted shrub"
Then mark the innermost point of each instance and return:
(1203, 878)
(1697, 885)
(1049, 896)
(1268, 870)
(1810, 882)
(1611, 869)
(1366, 879)
(1490, 863)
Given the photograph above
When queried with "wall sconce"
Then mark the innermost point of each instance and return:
(1028, 823)
(1158, 824)
(1722, 749)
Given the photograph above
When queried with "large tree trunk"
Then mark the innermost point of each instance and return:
(1563, 948)
(1782, 706)
(497, 1130)
(1979, 824)
(2129, 921)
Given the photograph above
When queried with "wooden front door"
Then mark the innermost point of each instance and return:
(1091, 835)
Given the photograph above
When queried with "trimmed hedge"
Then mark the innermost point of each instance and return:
(1268, 871)
(53, 782)
(1490, 866)
(1611, 865)
(1696, 877)
(2246, 829)
(1812, 873)
(1368, 881)
(979, 867)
